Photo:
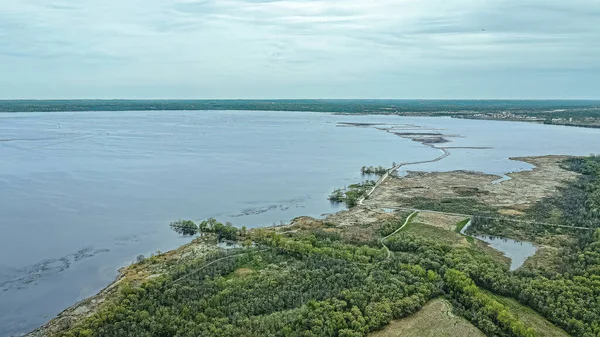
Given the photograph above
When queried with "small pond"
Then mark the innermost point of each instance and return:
(517, 251)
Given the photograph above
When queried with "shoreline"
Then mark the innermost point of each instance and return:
(530, 115)
(139, 271)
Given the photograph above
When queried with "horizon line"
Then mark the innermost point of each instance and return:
(297, 99)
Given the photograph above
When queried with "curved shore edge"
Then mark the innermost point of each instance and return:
(197, 247)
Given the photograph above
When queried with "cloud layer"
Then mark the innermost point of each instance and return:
(299, 49)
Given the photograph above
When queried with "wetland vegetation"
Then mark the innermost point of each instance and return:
(351, 194)
(378, 170)
(314, 278)
(223, 231)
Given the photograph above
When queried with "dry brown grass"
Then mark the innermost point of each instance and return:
(515, 195)
(435, 319)
(444, 221)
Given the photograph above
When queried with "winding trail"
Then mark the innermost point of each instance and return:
(211, 263)
(381, 180)
(488, 217)
(408, 218)
(445, 154)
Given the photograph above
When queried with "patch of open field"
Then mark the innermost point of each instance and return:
(435, 319)
(360, 216)
(443, 221)
(435, 233)
(363, 224)
(469, 191)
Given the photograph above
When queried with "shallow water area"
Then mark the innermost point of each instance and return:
(517, 251)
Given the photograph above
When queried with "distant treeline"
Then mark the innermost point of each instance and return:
(340, 106)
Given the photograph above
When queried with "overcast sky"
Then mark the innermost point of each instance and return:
(299, 49)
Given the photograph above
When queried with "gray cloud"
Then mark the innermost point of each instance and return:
(299, 48)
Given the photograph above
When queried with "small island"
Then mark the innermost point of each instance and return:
(223, 231)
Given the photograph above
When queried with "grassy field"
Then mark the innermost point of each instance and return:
(434, 319)
(436, 233)
(460, 225)
(452, 237)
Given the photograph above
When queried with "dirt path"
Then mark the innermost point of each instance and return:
(445, 154)
(408, 218)
(489, 217)
(211, 263)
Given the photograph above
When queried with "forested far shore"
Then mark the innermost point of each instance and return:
(579, 113)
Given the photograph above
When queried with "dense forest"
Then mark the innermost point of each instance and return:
(569, 296)
(313, 282)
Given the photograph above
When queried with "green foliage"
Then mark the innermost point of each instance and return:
(378, 170)
(184, 227)
(352, 194)
(460, 225)
(224, 231)
(578, 204)
(307, 287)
(484, 308)
(455, 205)
(316, 284)
(310, 285)
(569, 297)
(390, 226)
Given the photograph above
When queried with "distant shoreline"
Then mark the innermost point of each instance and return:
(578, 113)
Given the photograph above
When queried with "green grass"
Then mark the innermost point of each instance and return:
(452, 205)
(530, 317)
(391, 226)
(460, 225)
(432, 232)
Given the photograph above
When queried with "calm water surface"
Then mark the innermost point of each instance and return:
(516, 251)
(82, 194)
